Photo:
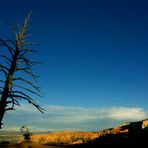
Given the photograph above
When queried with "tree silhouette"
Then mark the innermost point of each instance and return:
(18, 82)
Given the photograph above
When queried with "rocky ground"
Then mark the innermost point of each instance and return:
(129, 133)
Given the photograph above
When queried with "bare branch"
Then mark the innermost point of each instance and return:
(13, 100)
(22, 55)
(28, 43)
(27, 96)
(27, 62)
(9, 102)
(6, 58)
(28, 50)
(11, 108)
(4, 67)
(29, 90)
(17, 69)
(4, 71)
(34, 76)
(2, 81)
(29, 99)
(4, 43)
(27, 81)
(12, 42)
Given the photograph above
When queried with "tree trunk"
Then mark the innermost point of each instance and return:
(3, 104)
(5, 93)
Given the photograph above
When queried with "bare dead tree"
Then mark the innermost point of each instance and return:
(15, 85)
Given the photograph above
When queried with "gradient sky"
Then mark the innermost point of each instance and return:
(95, 61)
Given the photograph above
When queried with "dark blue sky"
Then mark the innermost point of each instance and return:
(94, 52)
